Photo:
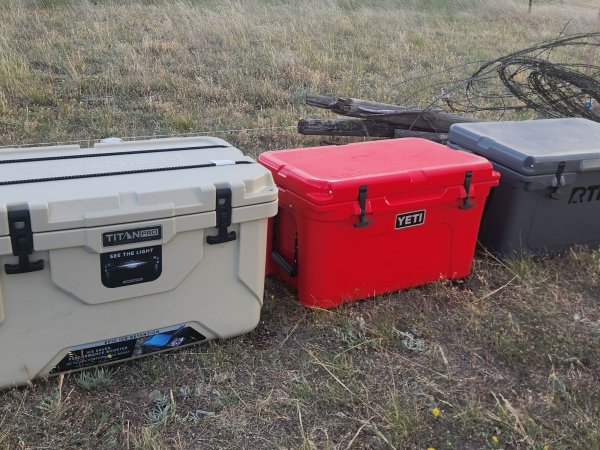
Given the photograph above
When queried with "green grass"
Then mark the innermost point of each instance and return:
(512, 352)
(93, 379)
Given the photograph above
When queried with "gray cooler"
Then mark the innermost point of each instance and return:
(549, 193)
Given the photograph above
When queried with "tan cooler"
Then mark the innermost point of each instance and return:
(125, 249)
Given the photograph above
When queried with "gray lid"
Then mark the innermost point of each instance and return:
(533, 147)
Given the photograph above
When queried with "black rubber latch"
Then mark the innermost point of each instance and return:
(362, 203)
(559, 181)
(21, 238)
(223, 210)
(466, 201)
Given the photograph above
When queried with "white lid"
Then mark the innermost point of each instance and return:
(112, 183)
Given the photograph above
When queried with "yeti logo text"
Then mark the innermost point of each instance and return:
(410, 219)
(130, 236)
(585, 194)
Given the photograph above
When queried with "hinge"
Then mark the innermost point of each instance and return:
(557, 182)
(466, 201)
(223, 210)
(21, 238)
(362, 203)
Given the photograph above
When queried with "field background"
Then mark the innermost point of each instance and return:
(509, 358)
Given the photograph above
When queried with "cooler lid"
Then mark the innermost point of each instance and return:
(332, 174)
(69, 187)
(533, 147)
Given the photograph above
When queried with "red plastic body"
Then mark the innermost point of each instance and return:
(419, 229)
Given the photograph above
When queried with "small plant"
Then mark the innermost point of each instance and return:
(147, 439)
(54, 405)
(595, 261)
(559, 389)
(588, 259)
(91, 380)
(410, 341)
(355, 334)
(401, 422)
(525, 268)
(102, 418)
(4, 444)
(494, 441)
(184, 391)
(164, 410)
(195, 417)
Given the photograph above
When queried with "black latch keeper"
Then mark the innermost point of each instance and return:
(21, 239)
(223, 211)
(362, 203)
(559, 181)
(466, 201)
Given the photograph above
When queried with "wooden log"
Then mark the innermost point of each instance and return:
(362, 128)
(434, 120)
(442, 138)
(321, 101)
(345, 127)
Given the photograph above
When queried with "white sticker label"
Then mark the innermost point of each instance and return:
(222, 162)
(410, 219)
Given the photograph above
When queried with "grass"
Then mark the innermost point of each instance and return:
(93, 379)
(83, 70)
(509, 357)
(516, 358)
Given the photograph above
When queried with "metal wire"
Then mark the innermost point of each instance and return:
(530, 80)
(579, 5)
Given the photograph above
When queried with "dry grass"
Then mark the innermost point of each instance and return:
(74, 70)
(505, 354)
(510, 357)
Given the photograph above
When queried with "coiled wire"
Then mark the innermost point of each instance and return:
(552, 89)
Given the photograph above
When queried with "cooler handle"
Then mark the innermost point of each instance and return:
(290, 268)
(589, 164)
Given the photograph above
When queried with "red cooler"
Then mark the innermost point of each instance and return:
(363, 219)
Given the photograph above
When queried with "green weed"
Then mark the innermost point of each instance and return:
(163, 411)
(148, 439)
(94, 379)
(55, 405)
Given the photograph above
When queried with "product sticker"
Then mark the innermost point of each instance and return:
(124, 347)
(132, 236)
(410, 219)
(132, 266)
(222, 162)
